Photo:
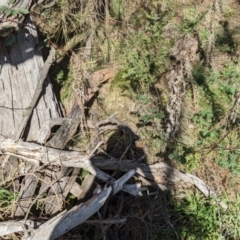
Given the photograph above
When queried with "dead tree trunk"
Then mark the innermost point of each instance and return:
(21, 66)
(21, 69)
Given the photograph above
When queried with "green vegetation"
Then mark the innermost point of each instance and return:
(196, 217)
(216, 133)
(146, 52)
(6, 197)
(191, 19)
(13, 30)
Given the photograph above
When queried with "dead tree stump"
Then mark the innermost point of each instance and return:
(21, 66)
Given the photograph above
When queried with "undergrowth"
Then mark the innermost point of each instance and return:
(199, 218)
(146, 54)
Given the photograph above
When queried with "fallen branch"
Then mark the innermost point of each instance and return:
(17, 226)
(64, 222)
(35, 152)
(159, 172)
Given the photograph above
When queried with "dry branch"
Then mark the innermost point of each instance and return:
(65, 221)
(34, 152)
(45, 130)
(159, 172)
(17, 226)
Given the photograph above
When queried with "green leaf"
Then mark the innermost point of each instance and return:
(21, 38)
(22, 10)
(146, 118)
(3, 8)
(143, 99)
(172, 156)
(14, 12)
(205, 133)
(160, 115)
(183, 160)
(8, 12)
(11, 38)
(12, 1)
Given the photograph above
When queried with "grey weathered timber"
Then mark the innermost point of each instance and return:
(20, 68)
(67, 130)
(61, 188)
(59, 225)
(36, 153)
(158, 172)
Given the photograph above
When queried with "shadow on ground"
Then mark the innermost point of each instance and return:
(157, 214)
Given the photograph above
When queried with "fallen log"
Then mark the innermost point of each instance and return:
(159, 172)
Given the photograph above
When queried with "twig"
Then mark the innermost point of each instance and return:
(37, 197)
(98, 145)
(107, 221)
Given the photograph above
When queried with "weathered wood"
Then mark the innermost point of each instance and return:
(76, 190)
(17, 226)
(55, 198)
(37, 93)
(57, 226)
(61, 188)
(30, 183)
(159, 172)
(86, 186)
(34, 152)
(26, 194)
(67, 130)
(21, 67)
(45, 130)
(64, 222)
